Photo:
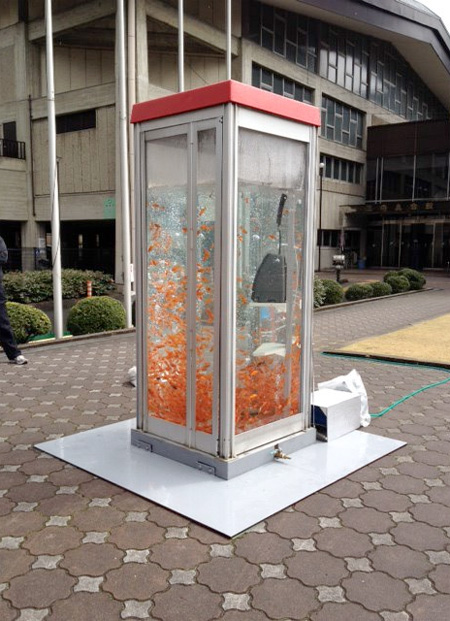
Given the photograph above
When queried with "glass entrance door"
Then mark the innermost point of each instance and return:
(441, 257)
(269, 245)
(182, 172)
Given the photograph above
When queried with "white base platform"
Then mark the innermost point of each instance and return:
(228, 507)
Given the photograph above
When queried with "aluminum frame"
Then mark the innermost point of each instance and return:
(187, 435)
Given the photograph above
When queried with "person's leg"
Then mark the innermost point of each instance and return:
(7, 339)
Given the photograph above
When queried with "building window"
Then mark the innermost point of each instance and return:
(76, 122)
(328, 238)
(341, 123)
(9, 146)
(341, 170)
(276, 83)
(431, 175)
(408, 177)
(284, 33)
(342, 57)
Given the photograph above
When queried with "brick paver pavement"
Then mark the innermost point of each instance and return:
(375, 545)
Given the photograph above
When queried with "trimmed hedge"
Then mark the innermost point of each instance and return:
(416, 279)
(358, 292)
(99, 314)
(327, 291)
(26, 287)
(27, 321)
(389, 274)
(334, 293)
(399, 283)
(380, 288)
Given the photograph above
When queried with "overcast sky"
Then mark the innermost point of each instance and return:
(441, 8)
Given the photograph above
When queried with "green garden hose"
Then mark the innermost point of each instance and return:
(404, 364)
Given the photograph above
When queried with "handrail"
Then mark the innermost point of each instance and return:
(12, 148)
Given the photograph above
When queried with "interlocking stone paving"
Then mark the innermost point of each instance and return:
(375, 545)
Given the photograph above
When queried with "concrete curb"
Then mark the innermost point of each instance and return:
(381, 297)
(76, 339)
(392, 359)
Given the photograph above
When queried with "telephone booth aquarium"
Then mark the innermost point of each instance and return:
(224, 267)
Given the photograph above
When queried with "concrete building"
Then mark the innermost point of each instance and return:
(365, 63)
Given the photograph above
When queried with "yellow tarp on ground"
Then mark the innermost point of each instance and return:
(428, 341)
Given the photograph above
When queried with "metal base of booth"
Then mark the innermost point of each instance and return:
(223, 468)
(227, 506)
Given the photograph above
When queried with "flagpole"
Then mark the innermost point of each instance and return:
(53, 179)
(228, 37)
(180, 46)
(124, 175)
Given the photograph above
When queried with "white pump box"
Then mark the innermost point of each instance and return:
(335, 412)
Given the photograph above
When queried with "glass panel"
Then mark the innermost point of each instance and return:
(256, 75)
(267, 16)
(431, 175)
(418, 247)
(291, 52)
(267, 39)
(397, 180)
(206, 216)
(406, 249)
(374, 244)
(391, 241)
(278, 84)
(442, 245)
(336, 167)
(280, 36)
(269, 245)
(438, 244)
(166, 205)
(427, 253)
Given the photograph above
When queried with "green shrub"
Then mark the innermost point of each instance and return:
(38, 286)
(15, 290)
(358, 292)
(74, 283)
(389, 275)
(27, 321)
(97, 314)
(334, 293)
(380, 288)
(415, 278)
(319, 292)
(399, 284)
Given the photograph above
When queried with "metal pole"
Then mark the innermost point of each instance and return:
(131, 50)
(180, 46)
(53, 179)
(228, 52)
(124, 177)
(308, 252)
(321, 167)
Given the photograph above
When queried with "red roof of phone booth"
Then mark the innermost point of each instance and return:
(229, 91)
